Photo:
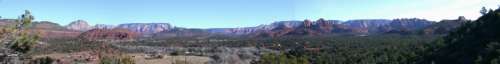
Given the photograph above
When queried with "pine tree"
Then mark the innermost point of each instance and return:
(483, 11)
(23, 40)
(18, 41)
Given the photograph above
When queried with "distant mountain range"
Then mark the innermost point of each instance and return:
(361, 27)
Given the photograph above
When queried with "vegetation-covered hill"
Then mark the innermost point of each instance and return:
(476, 42)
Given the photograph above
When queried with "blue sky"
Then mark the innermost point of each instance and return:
(237, 13)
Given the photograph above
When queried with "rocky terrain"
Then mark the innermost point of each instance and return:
(79, 25)
(445, 26)
(200, 43)
(181, 32)
(218, 55)
(103, 26)
(276, 29)
(146, 28)
(108, 34)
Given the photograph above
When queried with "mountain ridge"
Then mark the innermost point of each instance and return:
(284, 28)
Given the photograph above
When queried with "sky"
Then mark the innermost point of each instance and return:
(237, 13)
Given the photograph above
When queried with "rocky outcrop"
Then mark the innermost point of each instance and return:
(306, 27)
(327, 26)
(307, 24)
(108, 34)
(406, 26)
(49, 30)
(182, 32)
(276, 29)
(260, 28)
(410, 24)
(366, 25)
(445, 26)
(46, 25)
(103, 26)
(286, 24)
(146, 28)
(79, 25)
(57, 34)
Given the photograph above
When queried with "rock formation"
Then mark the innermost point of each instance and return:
(145, 28)
(79, 25)
(108, 34)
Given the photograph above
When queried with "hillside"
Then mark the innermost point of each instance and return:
(476, 42)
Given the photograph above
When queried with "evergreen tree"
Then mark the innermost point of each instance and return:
(23, 40)
(483, 11)
(18, 40)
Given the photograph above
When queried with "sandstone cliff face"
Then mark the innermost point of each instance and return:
(445, 26)
(306, 27)
(146, 28)
(320, 26)
(103, 26)
(182, 32)
(327, 26)
(366, 25)
(276, 29)
(79, 25)
(410, 24)
(108, 34)
(406, 26)
(260, 28)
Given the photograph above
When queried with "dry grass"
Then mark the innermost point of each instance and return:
(140, 59)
